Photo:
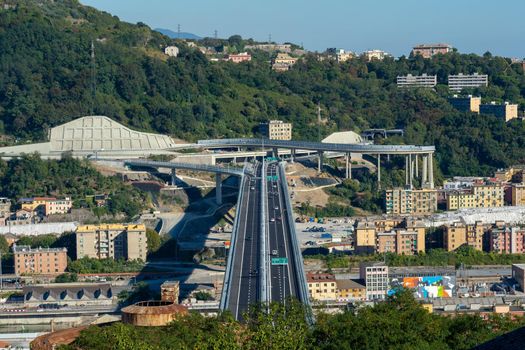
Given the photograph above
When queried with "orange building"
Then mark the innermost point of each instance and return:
(39, 260)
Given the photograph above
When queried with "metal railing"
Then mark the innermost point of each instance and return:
(263, 253)
(298, 257)
(229, 265)
(187, 166)
(320, 146)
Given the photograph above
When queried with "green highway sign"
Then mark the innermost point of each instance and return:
(279, 261)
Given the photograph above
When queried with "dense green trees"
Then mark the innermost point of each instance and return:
(30, 176)
(401, 323)
(46, 81)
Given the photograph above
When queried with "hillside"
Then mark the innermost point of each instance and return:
(46, 74)
(177, 35)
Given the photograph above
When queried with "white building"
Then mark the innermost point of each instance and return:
(172, 51)
(424, 80)
(375, 275)
(375, 55)
(466, 81)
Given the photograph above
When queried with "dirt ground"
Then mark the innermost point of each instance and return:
(302, 193)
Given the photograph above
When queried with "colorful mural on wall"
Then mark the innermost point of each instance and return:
(426, 286)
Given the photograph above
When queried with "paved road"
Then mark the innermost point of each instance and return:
(244, 287)
(283, 278)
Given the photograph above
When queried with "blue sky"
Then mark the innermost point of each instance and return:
(391, 25)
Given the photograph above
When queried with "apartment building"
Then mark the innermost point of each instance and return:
(378, 55)
(112, 241)
(400, 236)
(465, 104)
(458, 234)
(401, 241)
(344, 56)
(467, 81)
(350, 290)
(240, 57)
(411, 81)
(505, 111)
(270, 47)
(375, 275)
(429, 50)
(400, 201)
(478, 196)
(172, 51)
(277, 130)
(321, 286)
(39, 260)
(507, 239)
(518, 194)
(283, 62)
(47, 205)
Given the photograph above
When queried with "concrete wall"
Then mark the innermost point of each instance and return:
(39, 229)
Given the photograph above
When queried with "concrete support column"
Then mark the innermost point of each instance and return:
(430, 171)
(379, 171)
(406, 170)
(275, 152)
(292, 155)
(417, 166)
(410, 170)
(424, 177)
(173, 177)
(218, 188)
(319, 161)
(348, 166)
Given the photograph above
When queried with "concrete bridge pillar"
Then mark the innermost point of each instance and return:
(417, 166)
(430, 171)
(379, 171)
(218, 188)
(275, 152)
(424, 171)
(348, 161)
(320, 161)
(410, 170)
(406, 170)
(292, 155)
(173, 177)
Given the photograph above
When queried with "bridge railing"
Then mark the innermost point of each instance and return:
(187, 166)
(229, 265)
(298, 257)
(321, 146)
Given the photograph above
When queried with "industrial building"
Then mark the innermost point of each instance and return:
(71, 294)
(113, 241)
(424, 81)
(94, 137)
(467, 81)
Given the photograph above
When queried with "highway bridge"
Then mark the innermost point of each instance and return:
(265, 262)
(412, 154)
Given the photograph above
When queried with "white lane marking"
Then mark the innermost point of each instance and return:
(281, 206)
(243, 245)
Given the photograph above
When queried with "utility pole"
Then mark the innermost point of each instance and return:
(178, 31)
(270, 38)
(215, 34)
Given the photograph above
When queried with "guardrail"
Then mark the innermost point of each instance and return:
(320, 146)
(187, 166)
(263, 253)
(227, 274)
(298, 257)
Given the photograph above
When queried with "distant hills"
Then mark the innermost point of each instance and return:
(176, 35)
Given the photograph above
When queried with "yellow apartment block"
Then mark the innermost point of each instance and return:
(322, 286)
(114, 241)
(348, 290)
(457, 234)
(518, 194)
(479, 196)
(400, 201)
(399, 236)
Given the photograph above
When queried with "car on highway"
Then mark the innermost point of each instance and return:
(276, 208)
(252, 188)
(272, 220)
(274, 252)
